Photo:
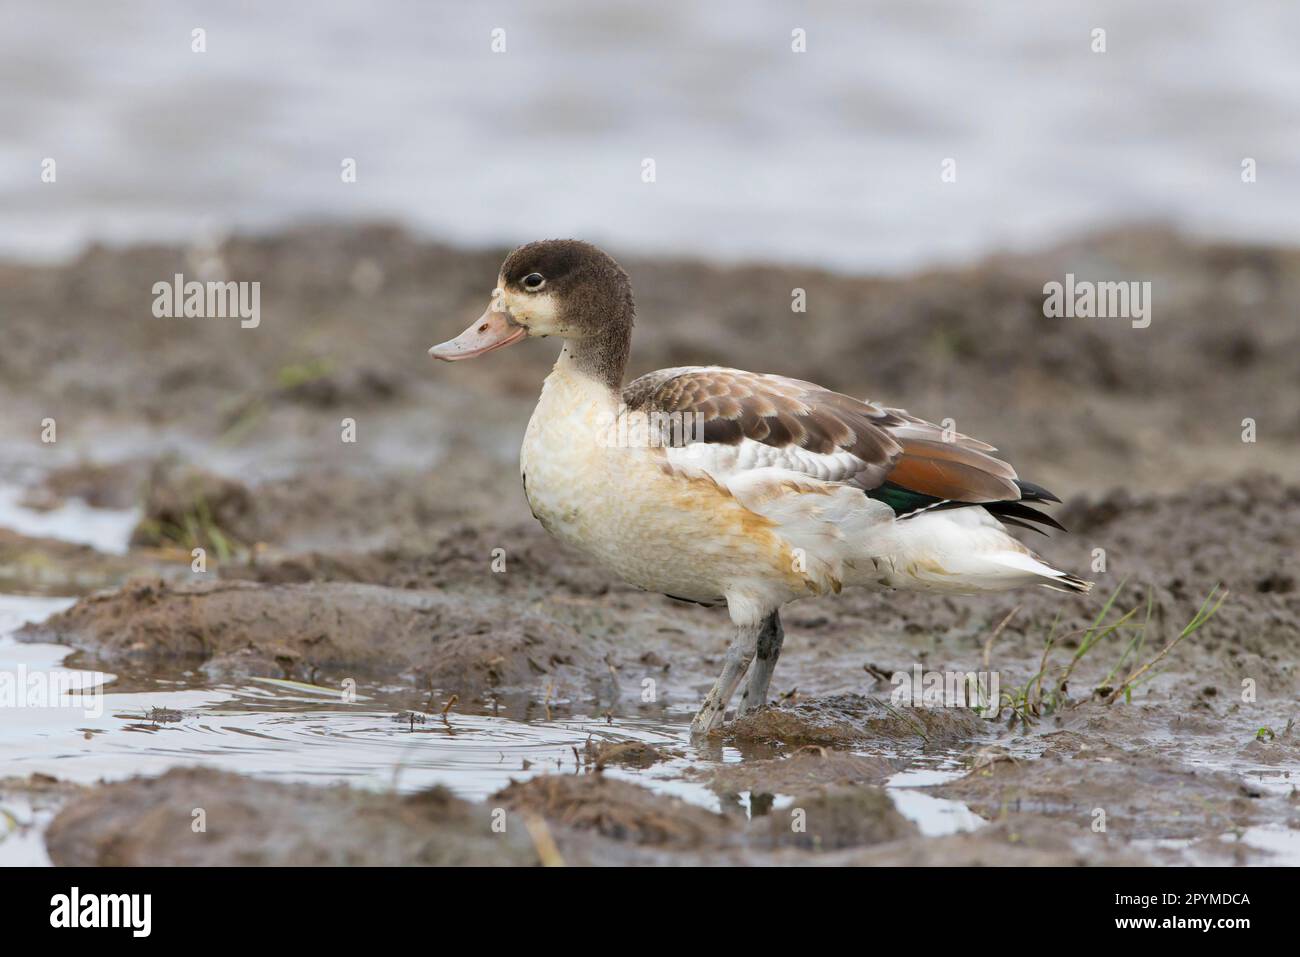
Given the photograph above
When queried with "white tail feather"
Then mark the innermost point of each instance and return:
(968, 550)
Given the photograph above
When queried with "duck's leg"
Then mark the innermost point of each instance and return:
(739, 655)
(770, 638)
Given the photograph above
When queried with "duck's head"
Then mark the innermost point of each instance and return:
(557, 287)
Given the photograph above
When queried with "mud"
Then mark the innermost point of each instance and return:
(200, 817)
(1069, 784)
(841, 817)
(112, 485)
(570, 819)
(848, 721)
(409, 558)
(805, 768)
(47, 566)
(191, 508)
(616, 809)
(1028, 843)
(323, 633)
(575, 819)
(1070, 400)
(631, 754)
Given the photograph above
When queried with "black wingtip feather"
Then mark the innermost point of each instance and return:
(1008, 520)
(1022, 511)
(1029, 492)
(1075, 584)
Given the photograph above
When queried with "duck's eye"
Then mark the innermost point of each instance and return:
(534, 281)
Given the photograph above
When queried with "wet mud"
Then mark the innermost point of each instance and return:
(46, 566)
(200, 817)
(849, 721)
(409, 558)
(324, 633)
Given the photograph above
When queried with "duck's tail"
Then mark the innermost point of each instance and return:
(1050, 577)
(968, 550)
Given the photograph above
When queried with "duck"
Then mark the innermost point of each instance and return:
(750, 490)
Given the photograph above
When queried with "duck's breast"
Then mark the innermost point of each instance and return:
(624, 504)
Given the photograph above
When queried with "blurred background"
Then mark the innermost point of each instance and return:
(1117, 165)
(830, 157)
(774, 170)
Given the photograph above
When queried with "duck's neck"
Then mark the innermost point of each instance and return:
(601, 358)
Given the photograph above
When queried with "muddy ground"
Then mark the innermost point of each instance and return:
(374, 560)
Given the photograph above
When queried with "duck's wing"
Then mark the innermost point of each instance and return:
(733, 421)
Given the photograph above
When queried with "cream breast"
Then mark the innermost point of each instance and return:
(657, 527)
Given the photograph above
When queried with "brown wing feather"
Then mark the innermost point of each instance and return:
(891, 444)
(776, 411)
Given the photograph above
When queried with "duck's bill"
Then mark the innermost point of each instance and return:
(492, 330)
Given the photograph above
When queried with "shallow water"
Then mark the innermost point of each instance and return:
(830, 157)
(291, 732)
(383, 740)
(107, 530)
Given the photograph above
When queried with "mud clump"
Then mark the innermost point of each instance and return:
(616, 809)
(850, 721)
(247, 822)
(188, 507)
(810, 767)
(48, 566)
(296, 569)
(838, 817)
(630, 754)
(303, 632)
(1274, 748)
(116, 485)
(38, 783)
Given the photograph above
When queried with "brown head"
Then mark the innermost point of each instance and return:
(557, 287)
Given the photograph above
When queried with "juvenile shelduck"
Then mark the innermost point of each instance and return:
(716, 485)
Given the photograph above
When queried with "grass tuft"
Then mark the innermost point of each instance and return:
(1043, 695)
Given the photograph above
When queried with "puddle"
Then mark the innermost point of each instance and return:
(384, 738)
(1282, 843)
(933, 816)
(19, 610)
(108, 530)
(286, 734)
(22, 826)
(293, 732)
(284, 731)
